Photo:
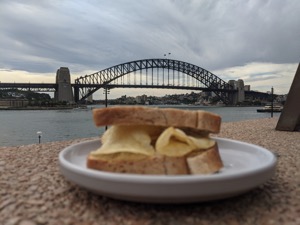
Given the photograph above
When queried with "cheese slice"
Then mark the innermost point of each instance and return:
(128, 139)
(174, 142)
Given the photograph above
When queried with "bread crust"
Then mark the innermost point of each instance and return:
(139, 115)
(205, 162)
(148, 165)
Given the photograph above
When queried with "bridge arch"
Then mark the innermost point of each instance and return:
(88, 84)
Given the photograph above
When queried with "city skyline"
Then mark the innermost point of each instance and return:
(256, 41)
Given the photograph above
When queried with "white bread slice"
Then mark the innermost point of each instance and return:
(206, 162)
(138, 115)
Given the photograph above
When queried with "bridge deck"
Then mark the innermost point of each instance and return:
(39, 87)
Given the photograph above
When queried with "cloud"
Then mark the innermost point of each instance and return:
(15, 76)
(38, 37)
(262, 76)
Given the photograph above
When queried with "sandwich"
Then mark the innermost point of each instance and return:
(148, 140)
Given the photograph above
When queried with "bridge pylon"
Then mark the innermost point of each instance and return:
(64, 88)
(239, 96)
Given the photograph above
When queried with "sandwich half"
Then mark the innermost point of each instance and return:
(146, 140)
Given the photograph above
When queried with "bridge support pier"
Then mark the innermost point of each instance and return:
(232, 96)
(64, 88)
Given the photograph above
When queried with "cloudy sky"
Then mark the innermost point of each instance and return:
(256, 40)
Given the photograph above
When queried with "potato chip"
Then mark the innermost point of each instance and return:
(131, 139)
(140, 140)
(174, 142)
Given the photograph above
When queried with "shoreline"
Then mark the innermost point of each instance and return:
(223, 132)
(14, 137)
(86, 106)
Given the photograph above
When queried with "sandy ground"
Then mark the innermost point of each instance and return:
(33, 191)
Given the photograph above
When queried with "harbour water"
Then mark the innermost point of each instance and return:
(20, 127)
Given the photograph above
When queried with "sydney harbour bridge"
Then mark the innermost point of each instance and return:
(147, 73)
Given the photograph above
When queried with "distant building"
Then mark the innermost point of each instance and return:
(247, 88)
(130, 100)
(141, 99)
(15, 103)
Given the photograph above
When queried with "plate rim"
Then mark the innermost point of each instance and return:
(164, 178)
(166, 189)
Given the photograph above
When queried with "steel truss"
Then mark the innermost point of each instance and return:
(115, 77)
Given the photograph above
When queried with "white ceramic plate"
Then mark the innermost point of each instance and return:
(246, 167)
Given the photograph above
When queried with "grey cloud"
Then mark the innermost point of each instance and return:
(40, 36)
(264, 77)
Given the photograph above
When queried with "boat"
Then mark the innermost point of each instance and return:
(268, 108)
